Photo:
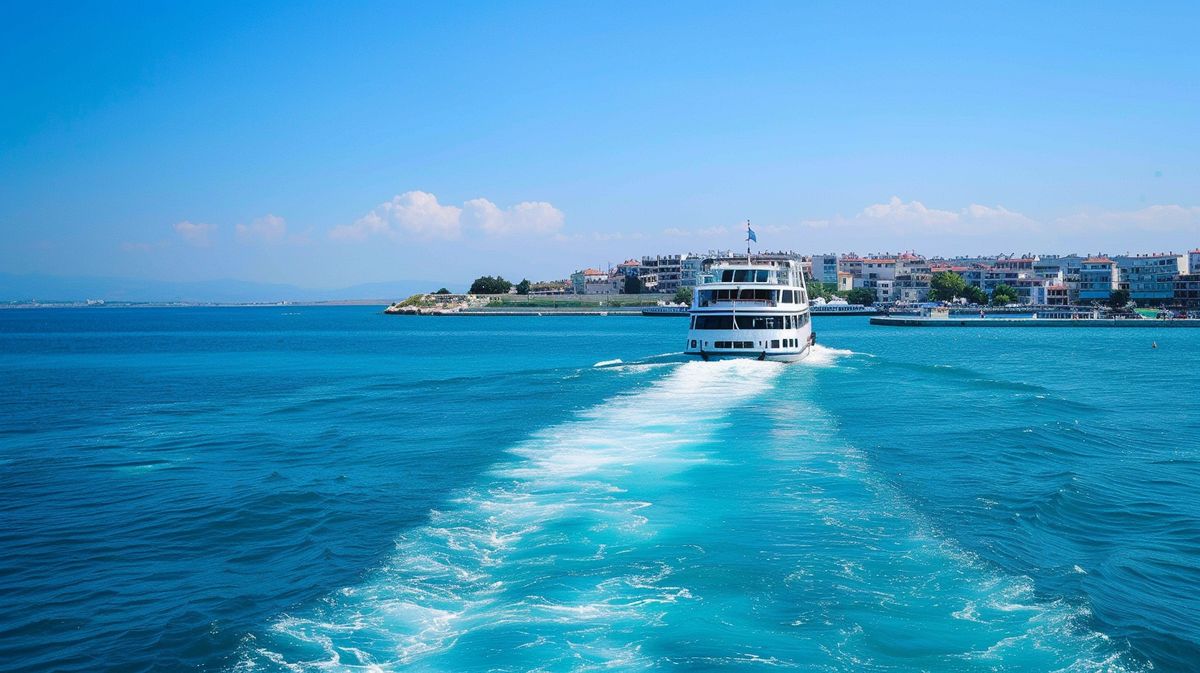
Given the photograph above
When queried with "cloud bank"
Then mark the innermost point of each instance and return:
(266, 229)
(420, 215)
(915, 217)
(194, 233)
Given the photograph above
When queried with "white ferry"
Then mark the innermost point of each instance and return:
(751, 310)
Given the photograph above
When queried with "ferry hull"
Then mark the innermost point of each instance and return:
(792, 356)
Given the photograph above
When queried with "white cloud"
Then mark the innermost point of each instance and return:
(414, 213)
(194, 233)
(916, 217)
(913, 213)
(1157, 218)
(527, 217)
(268, 229)
(420, 214)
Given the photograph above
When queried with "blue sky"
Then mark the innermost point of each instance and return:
(332, 144)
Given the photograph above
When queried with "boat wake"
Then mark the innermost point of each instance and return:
(712, 518)
(538, 547)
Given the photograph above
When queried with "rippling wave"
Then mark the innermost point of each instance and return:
(334, 489)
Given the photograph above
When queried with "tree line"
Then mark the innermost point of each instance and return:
(497, 285)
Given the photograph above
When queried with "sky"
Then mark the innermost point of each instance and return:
(329, 144)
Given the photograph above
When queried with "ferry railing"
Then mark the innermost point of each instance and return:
(735, 303)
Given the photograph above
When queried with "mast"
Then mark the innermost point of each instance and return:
(748, 235)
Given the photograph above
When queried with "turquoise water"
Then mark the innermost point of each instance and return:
(310, 489)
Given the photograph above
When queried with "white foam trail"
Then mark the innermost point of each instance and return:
(448, 578)
(824, 356)
(609, 363)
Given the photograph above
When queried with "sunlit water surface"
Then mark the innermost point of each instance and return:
(310, 489)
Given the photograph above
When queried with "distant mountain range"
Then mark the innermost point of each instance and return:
(21, 287)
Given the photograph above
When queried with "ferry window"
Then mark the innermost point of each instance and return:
(762, 275)
(787, 322)
(693, 343)
(741, 276)
(714, 322)
(726, 276)
(774, 343)
(788, 296)
(759, 322)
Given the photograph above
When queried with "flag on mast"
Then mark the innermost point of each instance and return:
(750, 233)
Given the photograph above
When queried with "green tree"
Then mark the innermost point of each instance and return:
(975, 295)
(1119, 299)
(947, 286)
(1004, 294)
(634, 285)
(442, 290)
(861, 295)
(490, 285)
(683, 295)
(523, 286)
(818, 289)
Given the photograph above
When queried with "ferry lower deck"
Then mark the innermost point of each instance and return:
(775, 336)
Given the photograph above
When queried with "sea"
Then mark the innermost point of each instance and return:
(334, 489)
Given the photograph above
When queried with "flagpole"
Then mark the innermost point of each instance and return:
(748, 242)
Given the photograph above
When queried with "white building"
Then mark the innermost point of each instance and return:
(1150, 278)
(878, 275)
(691, 268)
(662, 273)
(913, 274)
(825, 268)
(592, 281)
(1098, 278)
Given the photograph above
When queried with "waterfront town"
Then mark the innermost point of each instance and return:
(1149, 279)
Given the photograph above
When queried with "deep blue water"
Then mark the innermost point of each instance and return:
(274, 489)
